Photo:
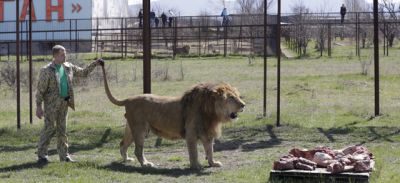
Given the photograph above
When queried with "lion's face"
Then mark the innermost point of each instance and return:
(229, 103)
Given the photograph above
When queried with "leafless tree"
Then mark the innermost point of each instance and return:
(321, 35)
(359, 7)
(223, 2)
(158, 8)
(321, 30)
(251, 11)
(301, 31)
(356, 5)
(252, 6)
(246, 6)
(388, 13)
(8, 75)
(204, 23)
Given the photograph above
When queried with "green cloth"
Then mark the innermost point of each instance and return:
(63, 81)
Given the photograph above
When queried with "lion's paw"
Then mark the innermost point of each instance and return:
(215, 164)
(148, 164)
(196, 167)
(128, 159)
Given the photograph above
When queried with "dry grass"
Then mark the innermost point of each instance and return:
(324, 102)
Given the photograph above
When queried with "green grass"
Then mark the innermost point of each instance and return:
(324, 101)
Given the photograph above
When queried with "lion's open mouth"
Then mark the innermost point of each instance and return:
(233, 115)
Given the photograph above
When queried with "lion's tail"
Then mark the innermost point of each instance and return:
(108, 92)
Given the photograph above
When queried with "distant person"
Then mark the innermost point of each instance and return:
(152, 17)
(140, 18)
(224, 15)
(163, 19)
(342, 13)
(170, 19)
(156, 21)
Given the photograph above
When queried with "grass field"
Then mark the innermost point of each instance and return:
(325, 101)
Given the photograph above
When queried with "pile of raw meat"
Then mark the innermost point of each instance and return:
(349, 159)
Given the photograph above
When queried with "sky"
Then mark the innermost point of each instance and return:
(195, 7)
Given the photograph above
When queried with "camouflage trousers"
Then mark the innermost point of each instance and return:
(55, 123)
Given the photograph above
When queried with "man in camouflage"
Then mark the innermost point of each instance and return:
(55, 90)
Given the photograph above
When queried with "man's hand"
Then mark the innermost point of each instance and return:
(100, 61)
(39, 112)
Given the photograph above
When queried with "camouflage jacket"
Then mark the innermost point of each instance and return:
(48, 85)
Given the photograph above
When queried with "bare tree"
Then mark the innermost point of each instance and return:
(321, 35)
(356, 5)
(8, 75)
(217, 4)
(300, 31)
(359, 7)
(388, 13)
(204, 23)
(321, 30)
(252, 6)
(246, 6)
(251, 11)
(223, 2)
(157, 8)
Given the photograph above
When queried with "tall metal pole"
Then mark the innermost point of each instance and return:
(358, 36)
(30, 61)
(76, 35)
(329, 40)
(122, 38)
(376, 57)
(175, 33)
(265, 60)
(356, 26)
(225, 38)
(17, 46)
(278, 49)
(387, 41)
(384, 38)
(146, 47)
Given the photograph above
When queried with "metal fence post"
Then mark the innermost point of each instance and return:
(265, 61)
(70, 34)
(278, 48)
(76, 35)
(387, 40)
(225, 38)
(126, 37)
(240, 34)
(358, 35)
(175, 37)
(146, 47)
(30, 61)
(122, 37)
(376, 57)
(199, 41)
(96, 40)
(329, 40)
(17, 50)
(356, 29)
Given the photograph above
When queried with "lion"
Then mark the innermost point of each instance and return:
(183, 50)
(195, 116)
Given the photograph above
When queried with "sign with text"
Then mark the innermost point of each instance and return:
(52, 19)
